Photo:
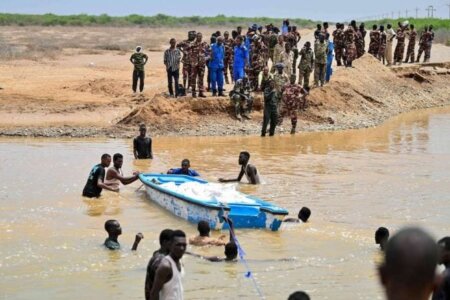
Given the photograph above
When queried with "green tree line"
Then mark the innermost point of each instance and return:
(138, 20)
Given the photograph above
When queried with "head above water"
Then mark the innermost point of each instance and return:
(381, 236)
(231, 251)
(444, 251)
(106, 160)
(244, 157)
(178, 244)
(118, 160)
(299, 295)
(304, 214)
(185, 164)
(165, 238)
(113, 228)
(203, 228)
(408, 270)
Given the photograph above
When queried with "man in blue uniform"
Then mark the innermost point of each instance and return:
(216, 65)
(240, 59)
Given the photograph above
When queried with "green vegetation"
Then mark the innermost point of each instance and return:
(138, 20)
(438, 24)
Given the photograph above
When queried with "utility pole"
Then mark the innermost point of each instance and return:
(417, 12)
(431, 11)
(406, 13)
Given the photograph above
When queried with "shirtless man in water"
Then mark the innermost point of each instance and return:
(114, 175)
(203, 238)
(249, 170)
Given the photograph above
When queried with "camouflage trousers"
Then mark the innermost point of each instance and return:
(303, 77)
(186, 75)
(339, 51)
(294, 63)
(253, 77)
(410, 54)
(288, 111)
(427, 50)
(196, 77)
(228, 66)
(399, 52)
(320, 71)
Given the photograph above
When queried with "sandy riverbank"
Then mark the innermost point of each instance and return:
(86, 91)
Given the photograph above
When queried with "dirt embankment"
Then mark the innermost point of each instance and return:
(363, 96)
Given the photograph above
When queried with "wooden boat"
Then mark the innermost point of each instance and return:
(250, 213)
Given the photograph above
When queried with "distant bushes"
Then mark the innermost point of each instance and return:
(139, 20)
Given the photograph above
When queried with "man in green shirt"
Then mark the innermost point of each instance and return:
(138, 59)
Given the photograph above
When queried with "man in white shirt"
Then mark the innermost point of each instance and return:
(390, 34)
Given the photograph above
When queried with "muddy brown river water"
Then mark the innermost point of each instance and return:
(353, 181)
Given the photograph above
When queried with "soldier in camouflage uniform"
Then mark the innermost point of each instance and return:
(271, 100)
(280, 79)
(183, 46)
(306, 64)
(258, 56)
(138, 59)
(400, 48)
(320, 66)
(359, 43)
(293, 38)
(291, 100)
(425, 43)
(228, 62)
(287, 59)
(412, 34)
(374, 44)
(382, 46)
(198, 53)
(349, 41)
(338, 40)
(242, 99)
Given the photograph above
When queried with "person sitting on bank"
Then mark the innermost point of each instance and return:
(95, 183)
(381, 237)
(249, 170)
(303, 215)
(203, 238)
(114, 175)
(184, 170)
(231, 250)
(113, 229)
(142, 145)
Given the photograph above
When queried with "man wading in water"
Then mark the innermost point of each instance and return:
(249, 170)
(114, 175)
(95, 183)
(168, 285)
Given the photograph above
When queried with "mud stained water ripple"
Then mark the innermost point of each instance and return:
(353, 181)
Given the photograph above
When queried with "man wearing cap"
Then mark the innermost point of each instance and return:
(138, 59)
(142, 145)
(306, 64)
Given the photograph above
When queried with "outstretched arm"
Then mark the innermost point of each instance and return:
(113, 174)
(137, 240)
(208, 258)
(238, 179)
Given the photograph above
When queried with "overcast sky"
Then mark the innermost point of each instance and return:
(331, 10)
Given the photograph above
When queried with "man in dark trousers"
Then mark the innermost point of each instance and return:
(271, 99)
(142, 145)
(138, 59)
(172, 58)
(95, 183)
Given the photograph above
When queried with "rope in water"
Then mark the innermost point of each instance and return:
(249, 273)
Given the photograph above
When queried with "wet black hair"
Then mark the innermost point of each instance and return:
(231, 250)
(411, 257)
(304, 214)
(299, 295)
(117, 156)
(106, 155)
(381, 234)
(246, 154)
(177, 233)
(165, 235)
(109, 224)
(203, 228)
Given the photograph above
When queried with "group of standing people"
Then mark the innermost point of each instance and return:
(381, 43)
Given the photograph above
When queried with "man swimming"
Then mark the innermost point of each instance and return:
(114, 175)
(303, 215)
(249, 170)
(113, 229)
(203, 238)
(184, 170)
